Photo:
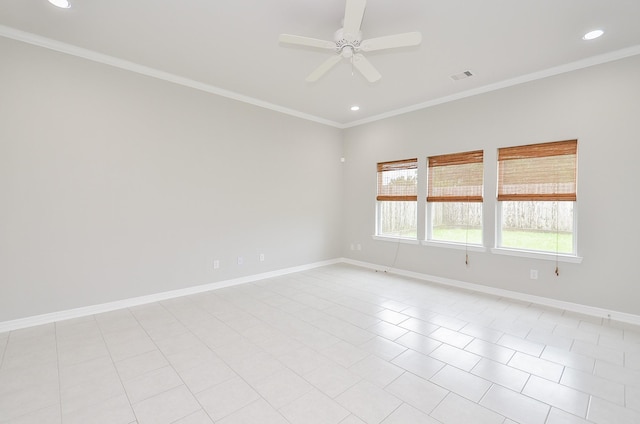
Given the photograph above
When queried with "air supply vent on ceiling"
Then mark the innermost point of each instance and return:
(461, 75)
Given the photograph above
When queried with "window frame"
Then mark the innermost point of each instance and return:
(556, 148)
(389, 166)
(453, 159)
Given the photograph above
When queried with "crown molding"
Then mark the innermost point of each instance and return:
(557, 70)
(58, 46)
(72, 50)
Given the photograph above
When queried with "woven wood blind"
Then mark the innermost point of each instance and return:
(397, 180)
(456, 177)
(545, 171)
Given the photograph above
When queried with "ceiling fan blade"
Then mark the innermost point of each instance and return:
(391, 41)
(306, 41)
(366, 68)
(324, 68)
(353, 13)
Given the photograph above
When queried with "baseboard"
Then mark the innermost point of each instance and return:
(539, 300)
(142, 300)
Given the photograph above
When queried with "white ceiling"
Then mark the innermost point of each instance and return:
(231, 47)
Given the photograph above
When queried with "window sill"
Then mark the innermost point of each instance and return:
(537, 255)
(475, 248)
(396, 239)
(451, 245)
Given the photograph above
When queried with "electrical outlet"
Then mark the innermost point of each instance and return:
(240, 260)
(533, 274)
(358, 246)
(353, 247)
(261, 257)
(216, 264)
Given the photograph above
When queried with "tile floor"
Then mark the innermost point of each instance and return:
(337, 344)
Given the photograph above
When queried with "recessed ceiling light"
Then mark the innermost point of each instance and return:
(355, 108)
(64, 4)
(591, 35)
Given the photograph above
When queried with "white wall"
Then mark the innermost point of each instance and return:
(600, 106)
(116, 185)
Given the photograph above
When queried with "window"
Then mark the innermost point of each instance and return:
(537, 197)
(454, 197)
(397, 199)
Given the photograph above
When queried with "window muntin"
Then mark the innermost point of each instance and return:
(455, 187)
(537, 186)
(397, 197)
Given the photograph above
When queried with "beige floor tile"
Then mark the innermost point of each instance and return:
(207, 374)
(406, 413)
(503, 375)
(604, 412)
(376, 370)
(458, 410)
(520, 408)
(166, 407)
(116, 410)
(557, 395)
(456, 357)
(594, 385)
(368, 402)
(417, 392)
(344, 354)
(152, 383)
(282, 388)
(383, 348)
(419, 364)
(198, 417)
(418, 342)
(226, 398)
(314, 408)
(257, 412)
(336, 344)
(332, 379)
(137, 365)
(490, 350)
(462, 383)
(536, 366)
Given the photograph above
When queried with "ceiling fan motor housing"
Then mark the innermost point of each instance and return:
(347, 44)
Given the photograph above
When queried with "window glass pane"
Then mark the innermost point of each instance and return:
(457, 222)
(399, 183)
(398, 219)
(538, 225)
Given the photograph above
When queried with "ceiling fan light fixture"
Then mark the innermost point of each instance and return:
(346, 52)
(63, 4)
(592, 35)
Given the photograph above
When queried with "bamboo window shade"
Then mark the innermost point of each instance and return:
(397, 180)
(538, 172)
(456, 177)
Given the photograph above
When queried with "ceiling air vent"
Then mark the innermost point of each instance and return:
(461, 75)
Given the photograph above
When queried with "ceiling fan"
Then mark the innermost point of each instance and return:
(348, 44)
